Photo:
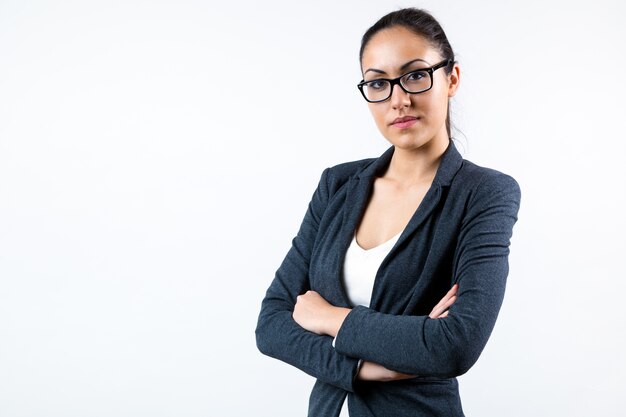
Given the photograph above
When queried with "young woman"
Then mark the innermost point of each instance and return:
(394, 281)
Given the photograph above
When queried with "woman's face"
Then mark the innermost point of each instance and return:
(391, 53)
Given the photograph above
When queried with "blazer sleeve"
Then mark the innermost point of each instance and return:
(277, 333)
(449, 346)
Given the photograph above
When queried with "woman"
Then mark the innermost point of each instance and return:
(394, 281)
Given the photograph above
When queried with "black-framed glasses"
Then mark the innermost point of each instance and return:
(413, 82)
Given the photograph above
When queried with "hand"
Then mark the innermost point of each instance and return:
(315, 314)
(371, 371)
(441, 309)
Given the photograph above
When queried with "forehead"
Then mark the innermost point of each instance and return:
(390, 48)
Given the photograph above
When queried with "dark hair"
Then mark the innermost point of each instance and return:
(421, 23)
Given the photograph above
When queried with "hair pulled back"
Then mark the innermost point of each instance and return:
(423, 24)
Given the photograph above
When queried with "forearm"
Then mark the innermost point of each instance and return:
(415, 345)
(313, 313)
(278, 336)
(420, 345)
(371, 371)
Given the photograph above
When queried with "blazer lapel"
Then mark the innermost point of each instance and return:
(357, 195)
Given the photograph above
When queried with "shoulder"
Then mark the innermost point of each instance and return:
(345, 170)
(484, 182)
(476, 176)
(337, 175)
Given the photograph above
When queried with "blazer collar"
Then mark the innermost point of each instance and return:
(450, 163)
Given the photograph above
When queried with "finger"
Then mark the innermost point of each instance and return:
(444, 303)
(445, 314)
(449, 294)
(452, 290)
(442, 307)
(436, 311)
(440, 303)
(448, 303)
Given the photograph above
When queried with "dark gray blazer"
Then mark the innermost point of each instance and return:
(460, 233)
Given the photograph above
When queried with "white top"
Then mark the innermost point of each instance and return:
(360, 268)
(359, 272)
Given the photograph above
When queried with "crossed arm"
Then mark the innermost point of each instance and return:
(313, 313)
(409, 345)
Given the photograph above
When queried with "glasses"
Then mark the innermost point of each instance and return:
(414, 82)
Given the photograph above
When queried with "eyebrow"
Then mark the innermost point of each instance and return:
(402, 68)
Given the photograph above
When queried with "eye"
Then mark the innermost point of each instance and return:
(377, 84)
(416, 76)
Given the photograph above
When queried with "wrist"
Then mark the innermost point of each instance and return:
(338, 316)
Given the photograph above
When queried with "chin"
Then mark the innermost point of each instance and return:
(418, 138)
(409, 141)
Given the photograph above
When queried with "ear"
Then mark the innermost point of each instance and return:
(454, 80)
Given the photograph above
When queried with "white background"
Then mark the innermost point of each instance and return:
(157, 157)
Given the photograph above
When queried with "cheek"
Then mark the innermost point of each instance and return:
(443, 108)
(441, 99)
(378, 112)
(436, 107)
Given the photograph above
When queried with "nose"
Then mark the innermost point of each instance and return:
(399, 98)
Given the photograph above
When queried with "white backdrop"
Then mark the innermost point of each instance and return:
(157, 157)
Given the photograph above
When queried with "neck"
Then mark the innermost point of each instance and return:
(416, 166)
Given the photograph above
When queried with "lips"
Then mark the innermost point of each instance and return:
(404, 122)
(404, 119)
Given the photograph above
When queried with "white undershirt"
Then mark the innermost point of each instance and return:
(359, 272)
(360, 268)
